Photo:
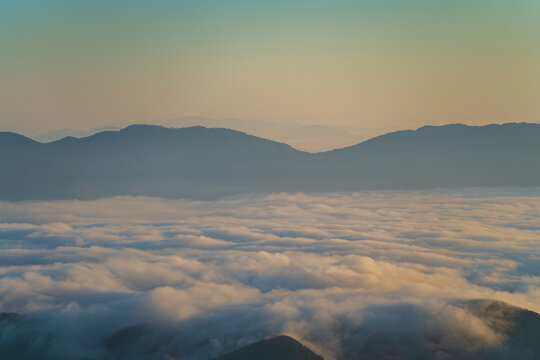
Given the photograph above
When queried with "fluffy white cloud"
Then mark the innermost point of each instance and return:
(306, 265)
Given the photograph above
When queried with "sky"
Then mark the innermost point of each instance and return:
(384, 64)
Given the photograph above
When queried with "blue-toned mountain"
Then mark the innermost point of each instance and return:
(203, 163)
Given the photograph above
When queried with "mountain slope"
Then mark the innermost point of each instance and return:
(444, 156)
(66, 132)
(206, 163)
(520, 326)
(518, 330)
(26, 337)
(312, 138)
(276, 348)
(149, 160)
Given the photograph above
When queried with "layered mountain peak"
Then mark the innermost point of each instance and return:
(204, 163)
(275, 348)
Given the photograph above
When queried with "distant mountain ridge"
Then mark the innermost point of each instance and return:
(313, 138)
(54, 135)
(207, 163)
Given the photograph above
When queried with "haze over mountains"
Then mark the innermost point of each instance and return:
(206, 163)
(518, 327)
(55, 135)
(312, 138)
(514, 329)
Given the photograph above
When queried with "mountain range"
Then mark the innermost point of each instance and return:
(277, 347)
(517, 328)
(55, 135)
(312, 138)
(208, 163)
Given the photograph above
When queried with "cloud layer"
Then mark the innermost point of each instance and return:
(211, 276)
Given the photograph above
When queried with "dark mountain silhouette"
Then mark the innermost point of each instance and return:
(26, 338)
(444, 156)
(154, 341)
(312, 138)
(520, 326)
(276, 348)
(20, 339)
(206, 163)
(519, 329)
(142, 160)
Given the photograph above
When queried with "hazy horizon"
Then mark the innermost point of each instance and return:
(310, 138)
(375, 65)
(274, 230)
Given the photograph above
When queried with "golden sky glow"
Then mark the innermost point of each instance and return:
(371, 64)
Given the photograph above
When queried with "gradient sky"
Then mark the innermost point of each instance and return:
(388, 64)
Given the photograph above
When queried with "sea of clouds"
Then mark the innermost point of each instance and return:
(208, 277)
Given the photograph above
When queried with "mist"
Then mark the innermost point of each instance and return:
(208, 277)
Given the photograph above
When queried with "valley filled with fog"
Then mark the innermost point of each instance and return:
(200, 278)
